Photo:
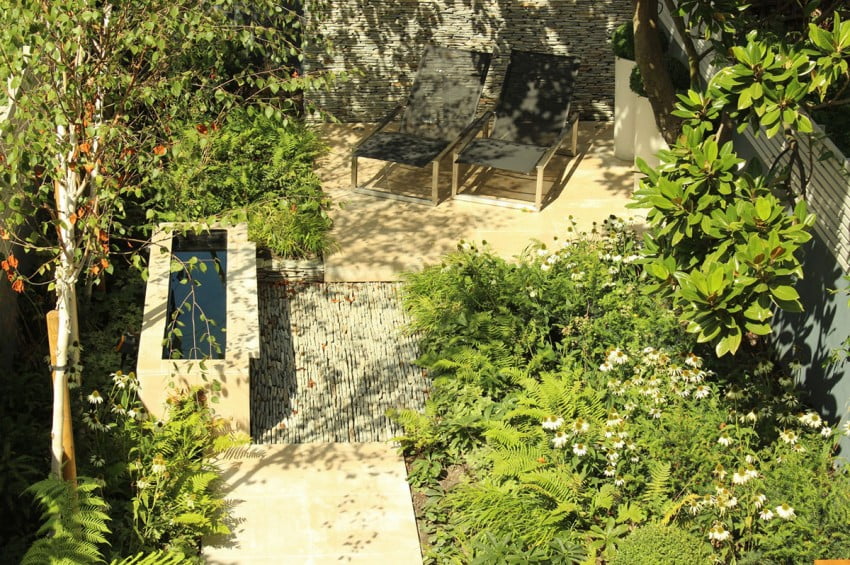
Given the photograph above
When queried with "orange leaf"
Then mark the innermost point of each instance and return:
(95, 269)
(103, 236)
(4, 265)
(202, 129)
(18, 285)
(72, 218)
(541, 460)
(104, 263)
(4, 234)
(13, 261)
(159, 150)
(85, 147)
(88, 167)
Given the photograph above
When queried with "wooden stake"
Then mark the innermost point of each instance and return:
(69, 462)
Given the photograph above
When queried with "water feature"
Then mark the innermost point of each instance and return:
(196, 317)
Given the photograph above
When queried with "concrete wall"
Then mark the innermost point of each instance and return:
(384, 40)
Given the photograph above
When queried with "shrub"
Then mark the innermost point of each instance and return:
(251, 168)
(623, 41)
(655, 543)
(581, 410)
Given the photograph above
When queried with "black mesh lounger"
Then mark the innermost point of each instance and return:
(532, 120)
(438, 112)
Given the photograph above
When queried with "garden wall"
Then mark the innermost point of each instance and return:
(384, 40)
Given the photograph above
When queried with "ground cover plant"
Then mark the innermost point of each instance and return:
(250, 168)
(573, 420)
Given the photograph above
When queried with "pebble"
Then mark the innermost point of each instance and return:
(334, 358)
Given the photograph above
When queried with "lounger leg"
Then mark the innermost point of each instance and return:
(538, 194)
(435, 178)
(455, 175)
(353, 172)
(575, 138)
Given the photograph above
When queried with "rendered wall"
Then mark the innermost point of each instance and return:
(384, 40)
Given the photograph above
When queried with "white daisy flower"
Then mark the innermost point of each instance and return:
(701, 391)
(784, 511)
(766, 514)
(617, 357)
(811, 419)
(826, 431)
(605, 367)
(560, 440)
(725, 439)
(95, 398)
(788, 436)
(718, 532)
(693, 360)
(552, 423)
(545, 266)
(581, 426)
(158, 464)
(580, 449)
(759, 500)
(740, 477)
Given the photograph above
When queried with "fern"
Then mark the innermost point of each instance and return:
(501, 435)
(512, 462)
(74, 523)
(657, 490)
(156, 558)
(560, 487)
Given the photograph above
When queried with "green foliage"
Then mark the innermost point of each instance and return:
(623, 41)
(609, 423)
(253, 169)
(655, 543)
(74, 523)
(163, 487)
(725, 240)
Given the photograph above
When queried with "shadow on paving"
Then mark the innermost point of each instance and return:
(334, 358)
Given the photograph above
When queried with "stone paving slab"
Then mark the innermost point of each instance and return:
(317, 504)
(379, 239)
(334, 358)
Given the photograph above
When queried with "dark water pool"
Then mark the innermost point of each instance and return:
(197, 297)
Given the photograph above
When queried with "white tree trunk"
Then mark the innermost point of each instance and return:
(66, 191)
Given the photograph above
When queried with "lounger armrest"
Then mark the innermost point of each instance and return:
(469, 133)
(381, 125)
(465, 136)
(568, 130)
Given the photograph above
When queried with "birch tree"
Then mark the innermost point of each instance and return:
(97, 88)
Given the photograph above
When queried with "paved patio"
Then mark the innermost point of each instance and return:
(315, 503)
(379, 238)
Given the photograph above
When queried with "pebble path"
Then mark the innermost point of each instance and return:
(334, 358)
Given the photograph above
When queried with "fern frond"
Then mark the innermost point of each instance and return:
(657, 489)
(514, 461)
(503, 436)
(559, 486)
(201, 481)
(74, 522)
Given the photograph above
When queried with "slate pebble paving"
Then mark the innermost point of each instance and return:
(334, 358)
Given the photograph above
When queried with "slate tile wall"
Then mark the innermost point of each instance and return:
(382, 41)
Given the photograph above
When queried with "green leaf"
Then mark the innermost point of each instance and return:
(785, 293)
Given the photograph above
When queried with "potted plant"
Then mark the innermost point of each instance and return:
(623, 45)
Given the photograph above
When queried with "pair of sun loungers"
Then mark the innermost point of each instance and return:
(530, 122)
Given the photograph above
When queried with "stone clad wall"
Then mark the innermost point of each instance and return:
(381, 42)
